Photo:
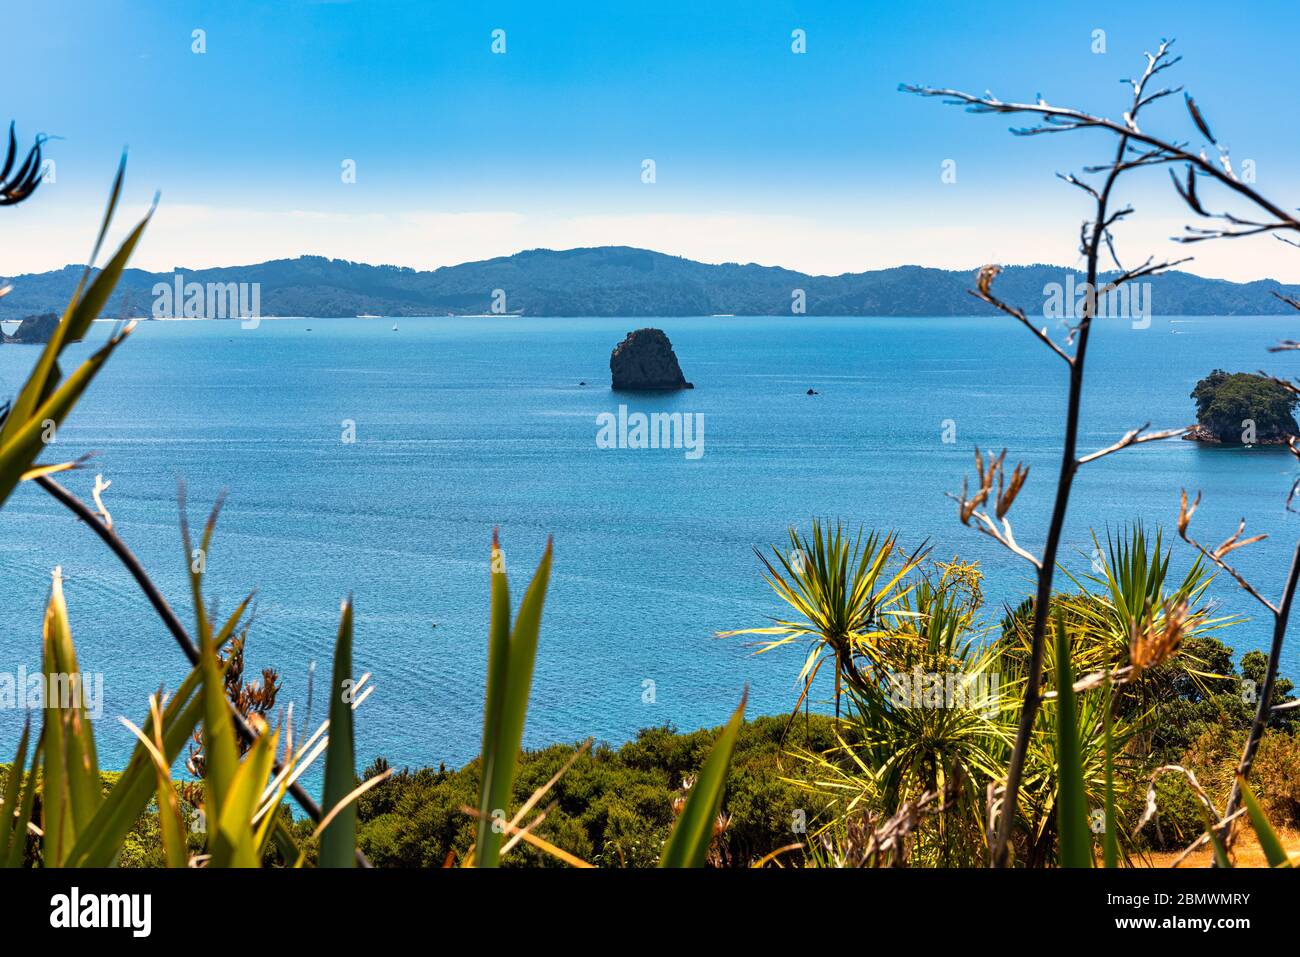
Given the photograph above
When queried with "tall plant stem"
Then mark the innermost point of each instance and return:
(998, 852)
(172, 623)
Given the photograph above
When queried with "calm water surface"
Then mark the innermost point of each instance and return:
(463, 424)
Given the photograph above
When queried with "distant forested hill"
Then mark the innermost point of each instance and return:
(621, 281)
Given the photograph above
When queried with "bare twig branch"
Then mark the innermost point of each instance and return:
(1057, 119)
(998, 528)
(100, 487)
(1216, 555)
(1146, 269)
(984, 291)
(1135, 437)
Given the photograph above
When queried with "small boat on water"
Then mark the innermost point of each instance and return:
(368, 316)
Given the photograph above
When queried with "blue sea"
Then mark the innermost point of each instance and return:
(465, 424)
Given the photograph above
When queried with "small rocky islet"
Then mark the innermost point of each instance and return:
(1242, 408)
(645, 362)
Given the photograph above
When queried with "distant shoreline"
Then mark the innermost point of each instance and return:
(620, 281)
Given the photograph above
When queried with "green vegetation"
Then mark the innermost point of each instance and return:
(47, 397)
(1243, 408)
(613, 807)
(915, 765)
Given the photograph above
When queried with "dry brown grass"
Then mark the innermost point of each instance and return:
(1246, 852)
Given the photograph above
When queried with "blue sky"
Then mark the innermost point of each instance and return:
(813, 161)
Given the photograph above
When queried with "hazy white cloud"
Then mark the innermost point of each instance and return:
(829, 242)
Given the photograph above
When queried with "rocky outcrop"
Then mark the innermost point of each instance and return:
(1241, 408)
(34, 329)
(645, 361)
(1200, 433)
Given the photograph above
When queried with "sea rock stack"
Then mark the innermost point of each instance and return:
(34, 329)
(645, 361)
